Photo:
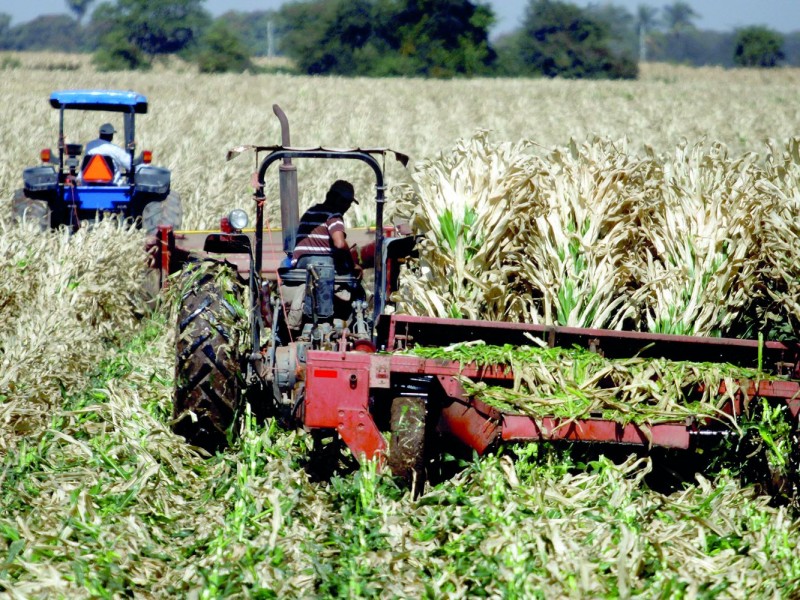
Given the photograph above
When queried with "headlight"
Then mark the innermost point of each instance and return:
(238, 219)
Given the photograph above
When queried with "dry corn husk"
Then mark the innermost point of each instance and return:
(65, 299)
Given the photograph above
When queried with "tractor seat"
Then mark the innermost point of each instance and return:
(294, 276)
(98, 169)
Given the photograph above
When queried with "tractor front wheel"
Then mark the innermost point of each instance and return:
(28, 210)
(208, 370)
(166, 212)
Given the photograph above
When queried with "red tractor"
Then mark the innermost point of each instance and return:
(354, 381)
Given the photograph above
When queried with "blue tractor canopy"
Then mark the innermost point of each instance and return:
(110, 100)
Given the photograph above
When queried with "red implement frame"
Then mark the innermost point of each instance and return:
(341, 385)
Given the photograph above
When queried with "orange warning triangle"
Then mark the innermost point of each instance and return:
(97, 170)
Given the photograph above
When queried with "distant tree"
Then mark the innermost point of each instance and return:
(758, 47)
(696, 47)
(436, 38)
(222, 51)
(558, 39)
(119, 53)
(646, 21)
(152, 28)
(442, 38)
(5, 31)
(791, 48)
(679, 17)
(80, 8)
(47, 32)
(621, 24)
(325, 36)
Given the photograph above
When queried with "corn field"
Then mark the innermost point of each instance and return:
(668, 204)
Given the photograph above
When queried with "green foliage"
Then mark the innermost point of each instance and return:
(221, 51)
(47, 32)
(440, 38)
(435, 38)
(5, 27)
(136, 27)
(558, 39)
(79, 7)
(328, 37)
(679, 17)
(118, 53)
(758, 47)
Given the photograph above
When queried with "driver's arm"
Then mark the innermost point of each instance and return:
(339, 240)
(341, 251)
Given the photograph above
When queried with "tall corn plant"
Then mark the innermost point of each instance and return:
(512, 236)
(702, 226)
(781, 245)
(467, 204)
(582, 228)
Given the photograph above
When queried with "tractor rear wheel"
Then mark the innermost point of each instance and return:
(30, 210)
(407, 445)
(208, 370)
(162, 212)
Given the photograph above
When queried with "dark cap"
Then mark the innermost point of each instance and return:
(344, 189)
(107, 129)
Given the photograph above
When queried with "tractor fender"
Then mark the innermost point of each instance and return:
(152, 180)
(40, 179)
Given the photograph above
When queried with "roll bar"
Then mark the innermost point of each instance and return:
(380, 198)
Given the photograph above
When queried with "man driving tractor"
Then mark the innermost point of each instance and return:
(322, 246)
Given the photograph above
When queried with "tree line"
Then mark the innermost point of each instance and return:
(416, 38)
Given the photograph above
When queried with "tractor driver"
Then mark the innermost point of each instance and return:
(322, 243)
(103, 145)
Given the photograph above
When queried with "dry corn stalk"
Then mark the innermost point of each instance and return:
(592, 235)
(469, 207)
(579, 235)
(64, 300)
(781, 245)
(575, 384)
(701, 230)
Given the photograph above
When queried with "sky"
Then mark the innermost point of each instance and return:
(719, 15)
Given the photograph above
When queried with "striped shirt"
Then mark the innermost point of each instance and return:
(314, 234)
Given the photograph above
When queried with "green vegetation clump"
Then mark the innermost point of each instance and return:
(222, 52)
(574, 383)
(758, 47)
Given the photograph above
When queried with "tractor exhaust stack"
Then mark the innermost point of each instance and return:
(290, 210)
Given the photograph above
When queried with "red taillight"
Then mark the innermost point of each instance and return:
(225, 225)
(45, 155)
(147, 156)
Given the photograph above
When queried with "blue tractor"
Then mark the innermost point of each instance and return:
(72, 185)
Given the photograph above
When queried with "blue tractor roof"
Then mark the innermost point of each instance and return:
(111, 100)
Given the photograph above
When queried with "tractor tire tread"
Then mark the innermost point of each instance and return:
(166, 212)
(28, 209)
(208, 386)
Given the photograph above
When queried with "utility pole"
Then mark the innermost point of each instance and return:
(642, 43)
(270, 38)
